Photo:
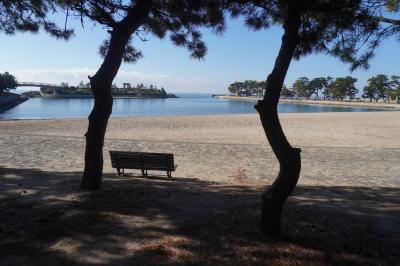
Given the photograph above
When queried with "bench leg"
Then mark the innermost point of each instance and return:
(118, 171)
(169, 174)
(144, 172)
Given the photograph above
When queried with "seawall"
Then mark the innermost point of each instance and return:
(10, 100)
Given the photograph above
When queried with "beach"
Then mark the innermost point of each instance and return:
(337, 147)
(349, 178)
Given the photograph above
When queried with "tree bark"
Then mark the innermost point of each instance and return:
(101, 84)
(288, 157)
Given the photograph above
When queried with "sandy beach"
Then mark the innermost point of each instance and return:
(346, 148)
(350, 179)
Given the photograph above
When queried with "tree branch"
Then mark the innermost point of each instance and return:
(387, 20)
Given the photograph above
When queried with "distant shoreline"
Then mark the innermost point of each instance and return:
(77, 96)
(379, 105)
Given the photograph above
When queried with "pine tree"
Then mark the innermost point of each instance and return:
(30, 16)
(126, 22)
(7, 82)
(349, 30)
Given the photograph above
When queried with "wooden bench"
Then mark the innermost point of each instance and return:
(143, 161)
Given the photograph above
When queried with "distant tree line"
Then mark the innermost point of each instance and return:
(247, 88)
(341, 88)
(139, 89)
(7, 82)
(84, 89)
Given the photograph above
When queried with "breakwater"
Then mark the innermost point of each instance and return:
(10, 100)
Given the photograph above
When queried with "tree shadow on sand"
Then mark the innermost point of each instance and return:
(46, 220)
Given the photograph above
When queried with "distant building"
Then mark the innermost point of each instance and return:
(126, 86)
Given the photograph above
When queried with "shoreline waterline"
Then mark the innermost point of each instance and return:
(112, 117)
(361, 104)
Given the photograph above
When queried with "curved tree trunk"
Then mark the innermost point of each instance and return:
(288, 157)
(101, 84)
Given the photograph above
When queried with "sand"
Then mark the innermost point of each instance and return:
(207, 214)
(215, 148)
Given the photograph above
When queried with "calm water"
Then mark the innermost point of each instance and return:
(188, 104)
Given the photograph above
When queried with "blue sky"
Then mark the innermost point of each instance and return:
(237, 55)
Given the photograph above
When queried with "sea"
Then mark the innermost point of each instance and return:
(186, 104)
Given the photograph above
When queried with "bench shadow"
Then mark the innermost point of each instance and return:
(46, 220)
(155, 176)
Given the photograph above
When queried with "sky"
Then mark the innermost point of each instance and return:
(239, 54)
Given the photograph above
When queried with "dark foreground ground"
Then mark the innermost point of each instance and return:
(46, 220)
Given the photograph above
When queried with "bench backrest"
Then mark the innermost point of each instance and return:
(126, 159)
(145, 160)
(158, 161)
